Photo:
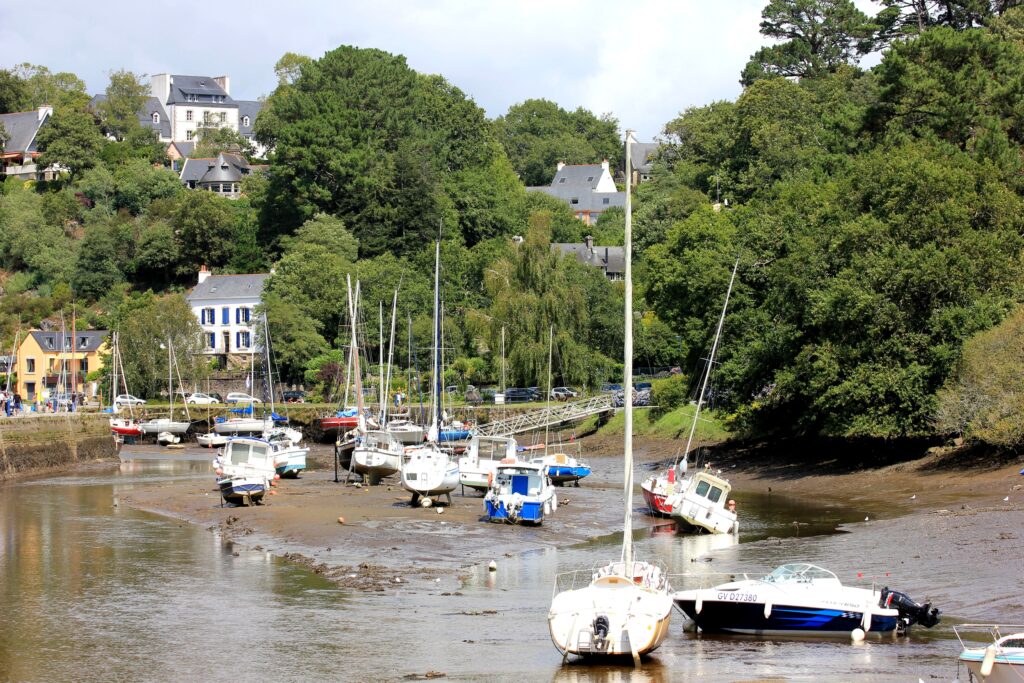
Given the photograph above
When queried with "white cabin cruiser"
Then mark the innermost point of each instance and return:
(429, 471)
(289, 457)
(701, 505)
(244, 470)
(478, 463)
(378, 454)
(1000, 662)
(801, 599)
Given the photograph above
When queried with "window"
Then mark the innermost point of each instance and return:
(156, 118)
(605, 200)
(561, 180)
(211, 340)
(225, 315)
(208, 316)
(188, 114)
(83, 342)
(30, 389)
(702, 488)
(83, 366)
(242, 315)
(206, 117)
(242, 340)
(223, 116)
(189, 135)
(69, 343)
(715, 495)
(574, 200)
(590, 178)
(30, 366)
(245, 121)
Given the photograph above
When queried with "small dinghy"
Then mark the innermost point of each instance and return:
(1000, 662)
(168, 438)
(802, 599)
(211, 439)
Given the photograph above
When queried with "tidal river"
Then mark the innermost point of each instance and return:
(91, 590)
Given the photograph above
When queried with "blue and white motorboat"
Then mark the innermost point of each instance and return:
(802, 599)
(245, 468)
(1000, 662)
(521, 493)
(563, 468)
(454, 432)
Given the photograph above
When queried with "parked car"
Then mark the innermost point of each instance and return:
(199, 399)
(294, 396)
(611, 388)
(563, 393)
(215, 396)
(642, 386)
(453, 389)
(514, 395)
(241, 397)
(129, 400)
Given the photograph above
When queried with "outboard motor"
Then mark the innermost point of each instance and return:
(910, 612)
(601, 626)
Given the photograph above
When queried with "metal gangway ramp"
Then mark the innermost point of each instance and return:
(550, 416)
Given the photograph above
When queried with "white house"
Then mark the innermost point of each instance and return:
(194, 101)
(224, 305)
(588, 189)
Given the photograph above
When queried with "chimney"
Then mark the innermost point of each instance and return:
(561, 165)
(604, 165)
(160, 87)
(224, 82)
(589, 240)
(204, 273)
(44, 111)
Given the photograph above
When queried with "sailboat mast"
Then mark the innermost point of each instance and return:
(356, 371)
(711, 361)
(547, 422)
(627, 387)
(270, 368)
(380, 364)
(435, 389)
(391, 357)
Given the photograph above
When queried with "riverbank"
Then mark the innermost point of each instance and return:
(934, 518)
(48, 444)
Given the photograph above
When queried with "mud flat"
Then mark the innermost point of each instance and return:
(39, 444)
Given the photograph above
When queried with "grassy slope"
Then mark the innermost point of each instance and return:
(673, 425)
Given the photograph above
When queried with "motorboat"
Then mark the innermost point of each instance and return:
(211, 439)
(702, 505)
(563, 468)
(281, 433)
(244, 468)
(168, 438)
(456, 431)
(429, 471)
(482, 455)
(1000, 662)
(242, 425)
(378, 454)
(625, 606)
(656, 490)
(520, 493)
(289, 456)
(802, 599)
(406, 431)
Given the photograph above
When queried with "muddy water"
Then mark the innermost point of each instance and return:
(92, 590)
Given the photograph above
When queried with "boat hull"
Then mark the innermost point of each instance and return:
(126, 429)
(158, 426)
(333, 424)
(211, 439)
(429, 472)
(290, 462)
(242, 426)
(242, 489)
(1006, 667)
(375, 463)
(657, 504)
(530, 512)
(749, 618)
(562, 474)
(409, 436)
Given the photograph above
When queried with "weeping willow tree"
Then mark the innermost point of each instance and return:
(533, 291)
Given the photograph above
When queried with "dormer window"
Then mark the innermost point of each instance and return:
(49, 342)
(83, 342)
(561, 180)
(245, 121)
(156, 118)
(590, 178)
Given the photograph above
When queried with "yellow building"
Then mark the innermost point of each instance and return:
(48, 363)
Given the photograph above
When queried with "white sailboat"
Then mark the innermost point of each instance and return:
(121, 427)
(626, 606)
(427, 470)
(168, 425)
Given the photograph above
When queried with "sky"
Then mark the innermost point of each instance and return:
(643, 61)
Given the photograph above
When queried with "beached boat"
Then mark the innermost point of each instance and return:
(120, 427)
(242, 424)
(481, 457)
(162, 425)
(626, 606)
(702, 505)
(378, 454)
(244, 470)
(168, 438)
(168, 425)
(455, 431)
(341, 421)
(802, 599)
(406, 431)
(562, 468)
(1000, 662)
(520, 494)
(657, 489)
(125, 426)
(289, 458)
(427, 470)
(211, 439)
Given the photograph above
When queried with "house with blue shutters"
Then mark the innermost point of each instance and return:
(224, 305)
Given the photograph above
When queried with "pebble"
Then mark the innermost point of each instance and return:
(341, 520)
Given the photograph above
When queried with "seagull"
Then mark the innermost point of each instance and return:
(913, 497)
(1006, 500)
(866, 519)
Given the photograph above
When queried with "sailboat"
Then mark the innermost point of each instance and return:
(659, 489)
(626, 607)
(244, 420)
(289, 457)
(428, 471)
(168, 425)
(379, 453)
(402, 428)
(120, 426)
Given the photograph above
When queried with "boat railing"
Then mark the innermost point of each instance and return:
(650, 575)
(704, 580)
(994, 631)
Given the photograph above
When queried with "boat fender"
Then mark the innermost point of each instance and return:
(767, 609)
(866, 622)
(699, 605)
(857, 635)
(554, 503)
(490, 479)
(988, 661)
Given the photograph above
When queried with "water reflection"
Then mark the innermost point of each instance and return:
(97, 591)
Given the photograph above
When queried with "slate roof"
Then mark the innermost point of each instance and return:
(609, 259)
(229, 287)
(51, 341)
(21, 127)
(250, 108)
(581, 175)
(226, 168)
(181, 86)
(184, 148)
(585, 198)
(643, 154)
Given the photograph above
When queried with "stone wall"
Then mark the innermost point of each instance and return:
(33, 444)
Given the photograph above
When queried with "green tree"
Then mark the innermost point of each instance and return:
(289, 67)
(96, 269)
(212, 140)
(328, 232)
(13, 93)
(204, 225)
(296, 336)
(537, 134)
(138, 183)
(818, 36)
(41, 86)
(119, 111)
(70, 139)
